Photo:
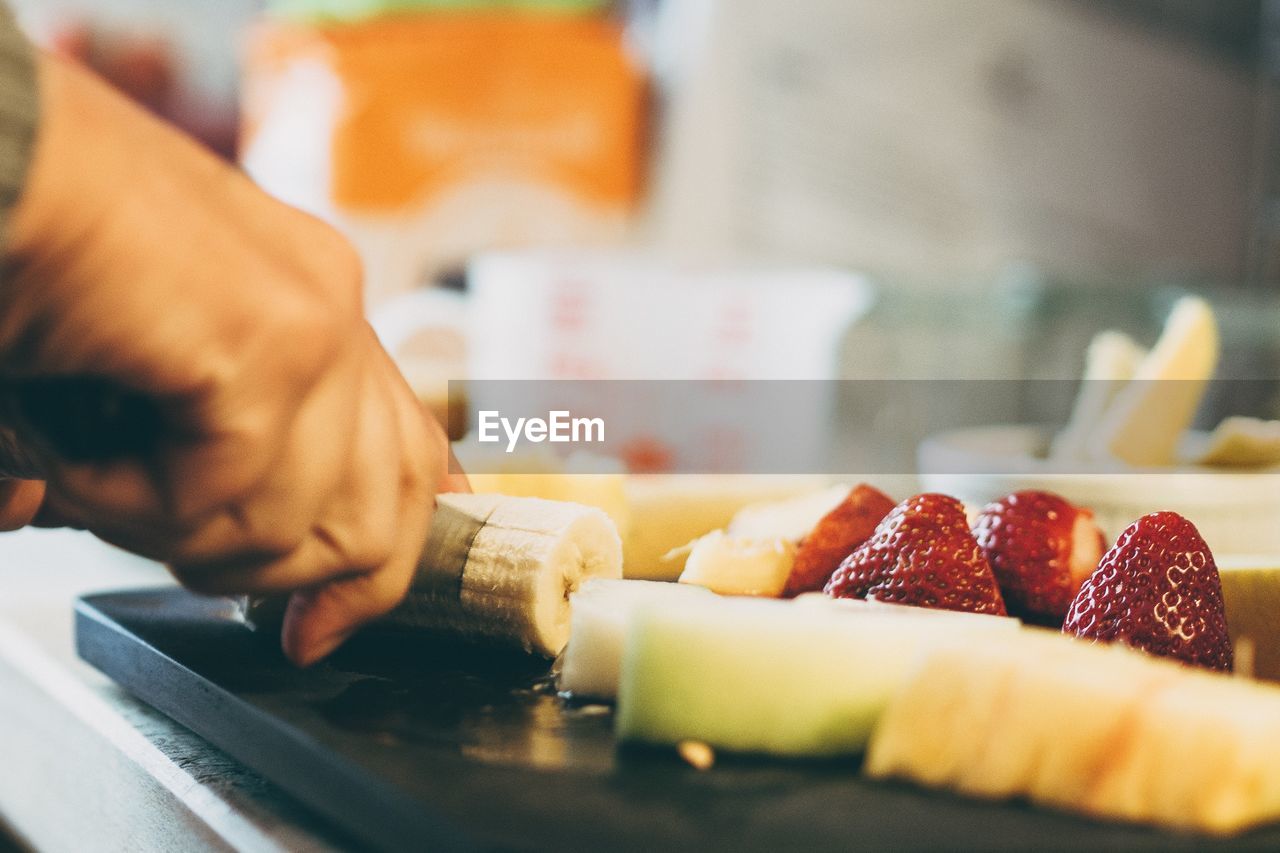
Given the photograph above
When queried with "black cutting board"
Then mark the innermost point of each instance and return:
(409, 743)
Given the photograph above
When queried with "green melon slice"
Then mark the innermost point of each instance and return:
(772, 676)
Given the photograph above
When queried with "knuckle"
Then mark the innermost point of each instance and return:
(363, 551)
(234, 541)
(340, 270)
(276, 540)
(315, 329)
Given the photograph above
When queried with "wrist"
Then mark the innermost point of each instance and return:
(19, 111)
(47, 215)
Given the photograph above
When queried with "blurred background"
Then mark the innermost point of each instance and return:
(542, 188)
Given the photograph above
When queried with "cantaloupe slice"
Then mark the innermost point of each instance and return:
(1102, 730)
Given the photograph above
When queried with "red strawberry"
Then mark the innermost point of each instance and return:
(1041, 548)
(1158, 590)
(922, 553)
(834, 538)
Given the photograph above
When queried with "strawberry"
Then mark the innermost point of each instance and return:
(1158, 590)
(834, 538)
(1041, 548)
(922, 553)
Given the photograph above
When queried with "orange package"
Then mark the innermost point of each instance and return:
(428, 138)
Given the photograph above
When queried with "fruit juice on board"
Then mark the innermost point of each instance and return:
(428, 137)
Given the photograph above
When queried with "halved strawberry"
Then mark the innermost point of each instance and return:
(834, 537)
(1041, 548)
(1158, 590)
(922, 553)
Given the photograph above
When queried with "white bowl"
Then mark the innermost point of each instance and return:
(1235, 512)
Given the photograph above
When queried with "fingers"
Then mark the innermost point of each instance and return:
(280, 510)
(352, 533)
(20, 501)
(339, 507)
(321, 619)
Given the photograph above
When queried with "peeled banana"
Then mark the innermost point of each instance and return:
(502, 568)
(732, 565)
(790, 518)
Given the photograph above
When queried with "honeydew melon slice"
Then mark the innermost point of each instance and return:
(1251, 593)
(769, 676)
(885, 608)
(600, 613)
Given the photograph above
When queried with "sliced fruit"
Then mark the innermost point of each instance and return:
(1147, 419)
(732, 565)
(1157, 590)
(1200, 755)
(948, 726)
(1251, 595)
(1240, 442)
(835, 536)
(790, 518)
(669, 511)
(606, 491)
(1111, 361)
(880, 608)
(766, 676)
(1041, 548)
(601, 615)
(502, 568)
(922, 553)
(1101, 730)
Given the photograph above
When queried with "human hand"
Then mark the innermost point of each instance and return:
(293, 455)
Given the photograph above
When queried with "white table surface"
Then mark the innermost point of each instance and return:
(83, 766)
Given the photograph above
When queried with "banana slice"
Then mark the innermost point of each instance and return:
(503, 568)
(733, 565)
(790, 518)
